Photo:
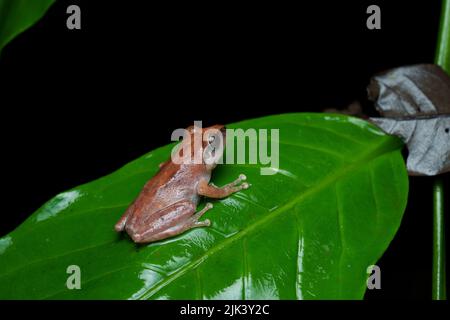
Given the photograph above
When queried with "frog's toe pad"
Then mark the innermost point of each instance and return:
(204, 223)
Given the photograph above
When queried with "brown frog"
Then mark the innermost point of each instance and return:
(167, 204)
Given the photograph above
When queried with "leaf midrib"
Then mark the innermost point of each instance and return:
(379, 149)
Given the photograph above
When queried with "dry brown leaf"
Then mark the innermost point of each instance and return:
(415, 103)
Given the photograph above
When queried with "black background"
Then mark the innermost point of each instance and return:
(79, 104)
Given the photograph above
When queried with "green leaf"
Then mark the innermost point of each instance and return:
(18, 15)
(308, 232)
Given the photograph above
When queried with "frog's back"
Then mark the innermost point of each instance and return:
(172, 183)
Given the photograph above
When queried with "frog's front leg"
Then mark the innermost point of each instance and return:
(191, 221)
(211, 191)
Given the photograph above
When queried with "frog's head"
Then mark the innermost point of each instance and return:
(205, 145)
(214, 139)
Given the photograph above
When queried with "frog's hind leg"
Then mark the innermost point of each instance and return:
(191, 222)
(120, 225)
(194, 219)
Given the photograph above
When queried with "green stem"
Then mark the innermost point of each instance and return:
(439, 280)
(442, 57)
(439, 285)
